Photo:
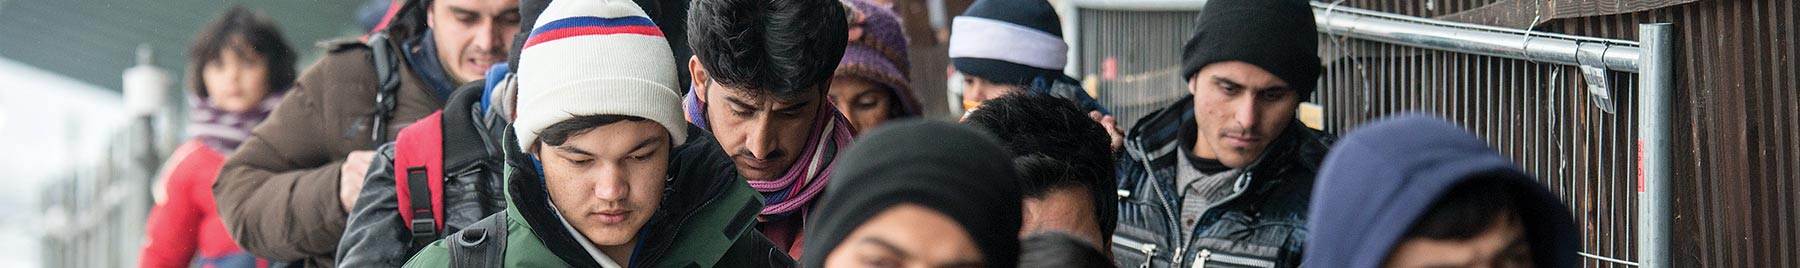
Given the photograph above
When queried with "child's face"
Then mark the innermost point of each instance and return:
(238, 80)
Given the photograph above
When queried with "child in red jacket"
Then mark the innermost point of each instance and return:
(239, 67)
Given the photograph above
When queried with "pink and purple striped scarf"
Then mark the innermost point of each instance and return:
(807, 177)
(221, 130)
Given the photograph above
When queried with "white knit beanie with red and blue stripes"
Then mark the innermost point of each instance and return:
(596, 58)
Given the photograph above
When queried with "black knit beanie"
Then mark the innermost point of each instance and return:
(949, 168)
(1276, 35)
(1008, 41)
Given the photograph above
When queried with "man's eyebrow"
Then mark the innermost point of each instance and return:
(887, 245)
(738, 102)
(573, 150)
(794, 105)
(647, 143)
(1234, 84)
(463, 11)
(1227, 81)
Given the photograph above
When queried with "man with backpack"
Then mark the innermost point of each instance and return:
(440, 175)
(600, 168)
(458, 157)
(285, 193)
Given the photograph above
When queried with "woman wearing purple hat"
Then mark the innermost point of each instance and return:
(870, 86)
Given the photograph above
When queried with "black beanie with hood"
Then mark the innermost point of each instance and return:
(949, 168)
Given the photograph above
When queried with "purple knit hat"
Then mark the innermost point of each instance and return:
(879, 55)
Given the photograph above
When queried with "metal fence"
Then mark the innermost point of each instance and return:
(1570, 109)
(95, 215)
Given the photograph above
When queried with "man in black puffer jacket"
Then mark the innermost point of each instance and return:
(1224, 177)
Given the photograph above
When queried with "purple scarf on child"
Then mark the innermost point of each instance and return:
(221, 130)
(795, 190)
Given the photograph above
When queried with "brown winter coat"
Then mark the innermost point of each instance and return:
(278, 194)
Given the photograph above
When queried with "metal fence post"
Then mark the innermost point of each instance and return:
(1656, 78)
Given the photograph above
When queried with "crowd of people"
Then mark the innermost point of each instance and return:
(784, 133)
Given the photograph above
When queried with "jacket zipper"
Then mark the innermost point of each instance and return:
(1208, 255)
(1148, 249)
(1174, 223)
(1174, 219)
(1237, 190)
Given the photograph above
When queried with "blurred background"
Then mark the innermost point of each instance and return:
(91, 104)
(80, 146)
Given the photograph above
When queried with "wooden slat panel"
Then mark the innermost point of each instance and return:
(1735, 186)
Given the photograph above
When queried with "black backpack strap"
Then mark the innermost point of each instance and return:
(424, 224)
(386, 65)
(483, 244)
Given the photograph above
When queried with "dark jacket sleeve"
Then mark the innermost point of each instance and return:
(755, 250)
(278, 194)
(375, 236)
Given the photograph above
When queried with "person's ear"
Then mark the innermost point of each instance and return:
(429, 22)
(1192, 87)
(698, 76)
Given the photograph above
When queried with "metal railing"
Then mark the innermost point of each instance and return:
(1588, 116)
(94, 216)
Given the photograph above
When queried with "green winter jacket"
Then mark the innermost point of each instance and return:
(705, 219)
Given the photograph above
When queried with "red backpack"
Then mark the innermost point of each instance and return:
(446, 142)
(419, 178)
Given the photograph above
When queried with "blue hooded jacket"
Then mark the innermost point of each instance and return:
(1382, 177)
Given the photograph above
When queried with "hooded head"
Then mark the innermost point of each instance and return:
(1384, 182)
(871, 86)
(956, 176)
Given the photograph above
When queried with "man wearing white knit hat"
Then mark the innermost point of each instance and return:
(603, 151)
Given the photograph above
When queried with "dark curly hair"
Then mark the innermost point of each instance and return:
(779, 48)
(1056, 146)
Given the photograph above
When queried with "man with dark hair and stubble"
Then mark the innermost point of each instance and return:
(762, 71)
(1064, 163)
(1225, 175)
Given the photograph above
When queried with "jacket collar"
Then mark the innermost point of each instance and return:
(422, 55)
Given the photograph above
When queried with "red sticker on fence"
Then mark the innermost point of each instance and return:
(1640, 166)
